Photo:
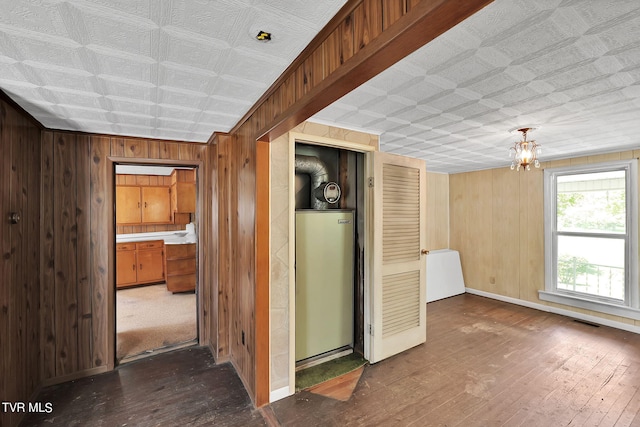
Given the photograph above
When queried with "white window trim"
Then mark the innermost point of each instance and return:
(631, 308)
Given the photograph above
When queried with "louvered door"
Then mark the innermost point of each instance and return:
(398, 313)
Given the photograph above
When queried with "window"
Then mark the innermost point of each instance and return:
(591, 237)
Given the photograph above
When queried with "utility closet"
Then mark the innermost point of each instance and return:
(329, 201)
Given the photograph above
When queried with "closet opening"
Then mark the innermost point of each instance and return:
(329, 254)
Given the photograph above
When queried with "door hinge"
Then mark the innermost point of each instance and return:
(370, 329)
(371, 182)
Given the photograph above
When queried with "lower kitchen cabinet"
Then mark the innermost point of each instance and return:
(181, 267)
(139, 263)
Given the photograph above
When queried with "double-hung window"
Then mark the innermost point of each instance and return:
(591, 235)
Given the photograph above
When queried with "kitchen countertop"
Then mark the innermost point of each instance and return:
(169, 237)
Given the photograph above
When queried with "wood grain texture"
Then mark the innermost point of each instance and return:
(47, 261)
(183, 387)
(65, 230)
(321, 81)
(77, 251)
(223, 293)
(20, 334)
(437, 211)
(490, 363)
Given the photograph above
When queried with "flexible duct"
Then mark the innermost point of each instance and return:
(317, 171)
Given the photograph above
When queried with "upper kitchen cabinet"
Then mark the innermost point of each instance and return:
(143, 205)
(183, 195)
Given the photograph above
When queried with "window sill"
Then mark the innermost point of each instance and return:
(601, 307)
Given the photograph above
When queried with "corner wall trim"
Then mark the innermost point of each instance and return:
(280, 393)
(556, 310)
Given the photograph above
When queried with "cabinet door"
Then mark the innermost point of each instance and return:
(128, 205)
(186, 197)
(156, 205)
(150, 266)
(126, 268)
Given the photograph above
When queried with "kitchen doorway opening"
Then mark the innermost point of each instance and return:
(156, 253)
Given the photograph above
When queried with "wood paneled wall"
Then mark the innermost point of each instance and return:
(78, 236)
(497, 225)
(19, 267)
(437, 194)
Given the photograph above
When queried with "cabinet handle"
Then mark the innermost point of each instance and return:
(138, 204)
(145, 204)
(140, 266)
(133, 267)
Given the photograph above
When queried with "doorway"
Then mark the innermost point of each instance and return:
(156, 298)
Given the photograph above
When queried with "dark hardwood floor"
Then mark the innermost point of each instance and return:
(489, 363)
(180, 388)
(485, 363)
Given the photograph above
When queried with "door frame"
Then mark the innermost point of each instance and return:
(111, 295)
(367, 150)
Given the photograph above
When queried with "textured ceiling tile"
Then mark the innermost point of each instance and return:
(34, 16)
(244, 64)
(179, 113)
(126, 66)
(130, 105)
(112, 31)
(173, 75)
(231, 87)
(55, 76)
(134, 89)
(217, 116)
(182, 98)
(213, 19)
(227, 106)
(191, 49)
(181, 69)
(78, 113)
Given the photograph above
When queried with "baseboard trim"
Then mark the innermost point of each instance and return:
(556, 310)
(280, 393)
(75, 376)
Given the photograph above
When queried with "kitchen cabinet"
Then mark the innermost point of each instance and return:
(137, 205)
(181, 267)
(183, 195)
(139, 263)
(126, 271)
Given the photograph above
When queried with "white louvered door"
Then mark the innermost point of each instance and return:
(398, 295)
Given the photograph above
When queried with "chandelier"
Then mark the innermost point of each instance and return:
(524, 153)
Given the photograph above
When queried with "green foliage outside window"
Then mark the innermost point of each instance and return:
(571, 267)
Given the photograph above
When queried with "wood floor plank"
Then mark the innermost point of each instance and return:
(180, 388)
(485, 363)
(490, 363)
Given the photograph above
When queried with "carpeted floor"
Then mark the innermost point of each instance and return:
(150, 318)
(328, 370)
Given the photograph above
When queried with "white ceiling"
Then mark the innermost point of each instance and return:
(162, 69)
(184, 69)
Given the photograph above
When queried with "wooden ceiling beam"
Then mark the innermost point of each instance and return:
(365, 38)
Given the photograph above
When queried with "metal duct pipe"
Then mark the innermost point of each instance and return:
(317, 171)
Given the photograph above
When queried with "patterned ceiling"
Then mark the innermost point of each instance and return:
(163, 69)
(184, 69)
(570, 68)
